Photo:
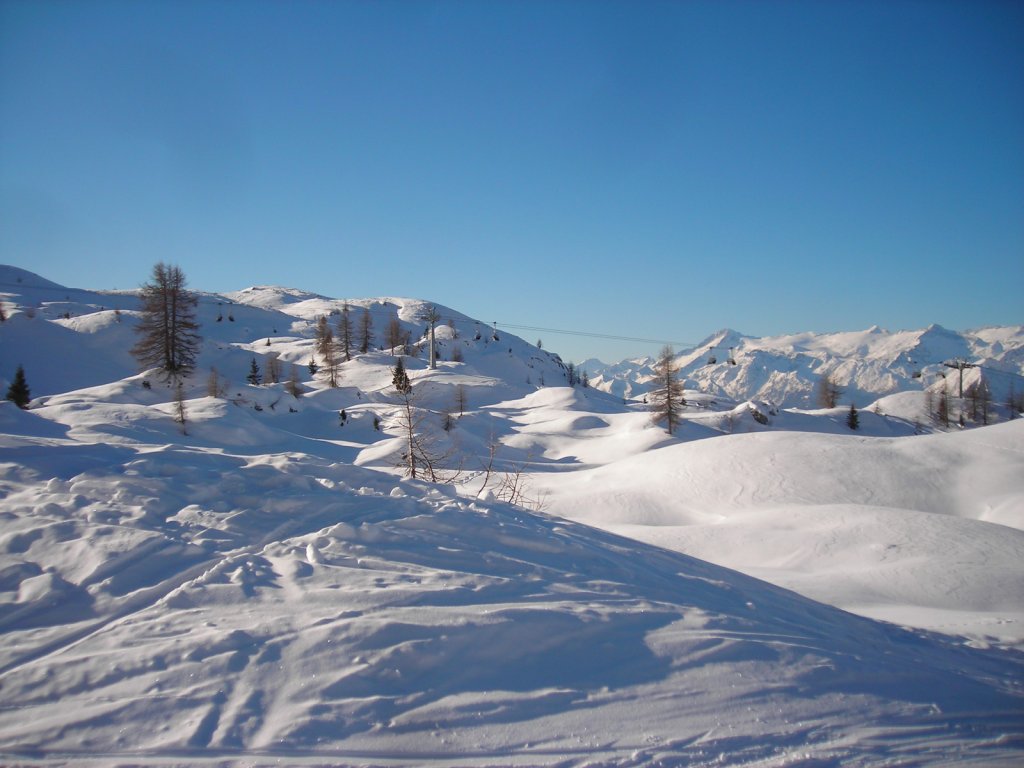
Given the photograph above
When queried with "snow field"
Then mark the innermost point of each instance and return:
(261, 587)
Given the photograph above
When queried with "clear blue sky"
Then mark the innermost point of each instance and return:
(637, 168)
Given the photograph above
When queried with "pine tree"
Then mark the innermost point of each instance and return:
(254, 376)
(853, 418)
(400, 379)
(666, 398)
(18, 392)
(168, 331)
(313, 367)
(365, 331)
(572, 374)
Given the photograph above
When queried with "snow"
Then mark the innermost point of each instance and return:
(261, 587)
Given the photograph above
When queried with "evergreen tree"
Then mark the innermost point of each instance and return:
(572, 374)
(168, 331)
(254, 376)
(313, 367)
(18, 392)
(853, 418)
(666, 398)
(400, 379)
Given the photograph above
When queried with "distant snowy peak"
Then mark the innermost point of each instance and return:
(272, 296)
(868, 364)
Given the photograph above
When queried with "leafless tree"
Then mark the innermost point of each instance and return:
(828, 391)
(345, 333)
(393, 337)
(666, 398)
(179, 405)
(168, 331)
(365, 331)
(293, 386)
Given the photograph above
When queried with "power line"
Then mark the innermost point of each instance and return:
(610, 336)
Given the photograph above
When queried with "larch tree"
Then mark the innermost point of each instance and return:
(365, 331)
(394, 337)
(345, 333)
(168, 331)
(666, 398)
(828, 391)
(294, 386)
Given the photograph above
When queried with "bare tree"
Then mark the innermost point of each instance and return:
(460, 398)
(828, 391)
(168, 330)
(273, 368)
(215, 385)
(365, 331)
(329, 352)
(179, 406)
(393, 336)
(293, 386)
(666, 398)
(345, 333)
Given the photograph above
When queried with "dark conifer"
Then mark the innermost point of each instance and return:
(18, 393)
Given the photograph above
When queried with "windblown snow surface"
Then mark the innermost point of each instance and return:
(263, 588)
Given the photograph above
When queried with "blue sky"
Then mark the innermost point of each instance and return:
(645, 169)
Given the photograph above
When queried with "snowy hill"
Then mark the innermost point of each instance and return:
(259, 586)
(870, 364)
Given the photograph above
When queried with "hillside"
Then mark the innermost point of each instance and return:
(260, 586)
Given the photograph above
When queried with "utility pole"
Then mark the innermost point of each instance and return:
(959, 365)
(432, 317)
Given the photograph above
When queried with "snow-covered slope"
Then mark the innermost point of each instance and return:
(174, 603)
(258, 586)
(868, 364)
